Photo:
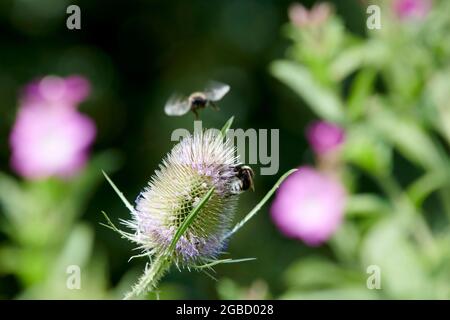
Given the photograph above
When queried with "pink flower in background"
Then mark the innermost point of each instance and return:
(324, 137)
(302, 17)
(406, 9)
(50, 137)
(309, 205)
(56, 91)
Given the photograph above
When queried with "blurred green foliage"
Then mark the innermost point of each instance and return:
(382, 90)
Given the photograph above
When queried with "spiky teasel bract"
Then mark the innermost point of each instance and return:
(195, 165)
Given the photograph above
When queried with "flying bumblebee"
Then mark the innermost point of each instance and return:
(178, 105)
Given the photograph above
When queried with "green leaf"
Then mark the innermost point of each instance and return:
(410, 139)
(437, 90)
(403, 273)
(12, 198)
(228, 289)
(323, 101)
(10, 259)
(222, 261)
(319, 272)
(78, 191)
(420, 189)
(189, 219)
(226, 127)
(361, 89)
(365, 204)
(369, 54)
(345, 242)
(119, 193)
(367, 151)
(77, 249)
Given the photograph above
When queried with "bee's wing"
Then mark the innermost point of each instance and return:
(216, 90)
(177, 106)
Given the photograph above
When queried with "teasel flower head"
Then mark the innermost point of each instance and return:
(184, 215)
(195, 165)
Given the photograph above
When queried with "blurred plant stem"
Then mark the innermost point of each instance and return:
(44, 233)
(444, 195)
(412, 216)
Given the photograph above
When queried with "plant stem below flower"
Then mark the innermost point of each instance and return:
(151, 276)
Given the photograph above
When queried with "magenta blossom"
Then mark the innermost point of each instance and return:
(411, 9)
(309, 206)
(324, 137)
(56, 91)
(50, 137)
(302, 17)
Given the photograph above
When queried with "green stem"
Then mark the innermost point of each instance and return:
(401, 200)
(444, 195)
(151, 276)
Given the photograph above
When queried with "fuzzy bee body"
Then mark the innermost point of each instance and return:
(244, 179)
(198, 101)
(179, 105)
